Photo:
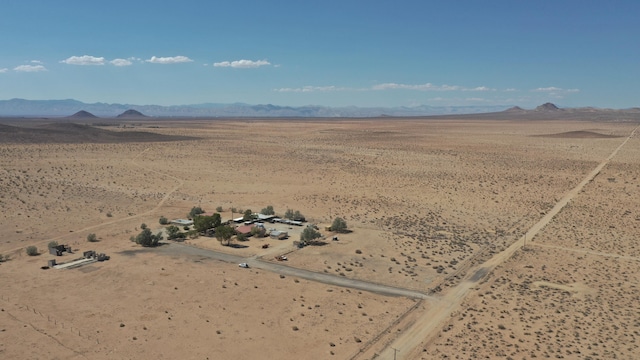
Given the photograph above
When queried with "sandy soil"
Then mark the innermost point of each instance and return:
(426, 200)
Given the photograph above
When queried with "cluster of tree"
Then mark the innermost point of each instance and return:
(203, 223)
(293, 215)
(173, 233)
(268, 211)
(146, 238)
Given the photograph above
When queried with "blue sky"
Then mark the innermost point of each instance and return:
(332, 53)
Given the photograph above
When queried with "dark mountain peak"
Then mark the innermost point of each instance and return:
(547, 107)
(82, 115)
(132, 114)
(515, 109)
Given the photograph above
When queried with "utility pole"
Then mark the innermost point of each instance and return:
(394, 353)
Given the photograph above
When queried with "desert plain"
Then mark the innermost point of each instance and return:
(513, 238)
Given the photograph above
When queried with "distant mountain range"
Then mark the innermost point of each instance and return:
(67, 108)
(73, 109)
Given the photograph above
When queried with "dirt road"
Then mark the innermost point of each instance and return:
(280, 268)
(427, 325)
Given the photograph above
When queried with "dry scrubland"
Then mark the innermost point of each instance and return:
(427, 200)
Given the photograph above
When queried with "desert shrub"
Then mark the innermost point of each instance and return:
(4, 258)
(109, 214)
(163, 220)
(32, 250)
(219, 209)
(143, 226)
(52, 244)
(92, 237)
(185, 228)
(242, 237)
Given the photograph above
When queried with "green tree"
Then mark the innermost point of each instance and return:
(297, 215)
(92, 237)
(196, 210)
(288, 214)
(308, 235)
(172, 232)
(147, 239)
(339, 225)
(203, 223)
(248, 215)
(224, 233)
(268, 211)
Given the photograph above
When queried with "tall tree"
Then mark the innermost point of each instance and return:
(248, 215)
(224, 233)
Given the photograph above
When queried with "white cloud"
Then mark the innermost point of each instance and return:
(83, 60)
(510, 90)
(121, 62)
(36, 62)
(3, 70)
(480, 88)
(29, 68)
(308, 89)
(169, 60)
(555, 90)
(428, 87)
(242, 64)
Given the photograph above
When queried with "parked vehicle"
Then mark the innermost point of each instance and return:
(244, 265)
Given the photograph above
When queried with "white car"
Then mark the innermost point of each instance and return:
(244, 265)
